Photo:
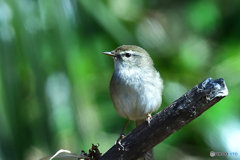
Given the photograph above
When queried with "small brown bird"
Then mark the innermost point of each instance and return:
(136, 86)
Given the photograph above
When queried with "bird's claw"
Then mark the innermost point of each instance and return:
(119, 142)
(149, 118)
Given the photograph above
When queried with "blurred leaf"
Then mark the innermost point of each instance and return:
(203, 16)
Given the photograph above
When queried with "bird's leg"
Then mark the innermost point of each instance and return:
(148, 119)
(122, 135)
(124, 128)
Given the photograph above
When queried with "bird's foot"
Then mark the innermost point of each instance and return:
(119, 142)
(149, 118)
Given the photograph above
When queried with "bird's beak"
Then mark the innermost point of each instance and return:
(109, 54)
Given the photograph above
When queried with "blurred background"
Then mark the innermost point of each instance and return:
(54, 79)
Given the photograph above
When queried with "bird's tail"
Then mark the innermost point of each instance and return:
(150, 154)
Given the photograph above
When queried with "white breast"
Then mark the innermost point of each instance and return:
(135, 95)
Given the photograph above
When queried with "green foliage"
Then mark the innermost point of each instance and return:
(54, 80)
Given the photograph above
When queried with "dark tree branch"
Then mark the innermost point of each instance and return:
(178, 114)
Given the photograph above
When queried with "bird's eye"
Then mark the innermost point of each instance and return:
(128, 55)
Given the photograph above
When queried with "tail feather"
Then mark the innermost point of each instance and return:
(150, 154)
